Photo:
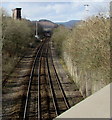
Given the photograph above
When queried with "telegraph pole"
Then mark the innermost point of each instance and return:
(86, 10)
(36, 31)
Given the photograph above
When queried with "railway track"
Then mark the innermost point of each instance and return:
(45, 98)
(6, 77)
(30, 102)
(59, 98)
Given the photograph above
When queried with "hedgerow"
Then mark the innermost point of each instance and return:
(16, 36)
(86, 52)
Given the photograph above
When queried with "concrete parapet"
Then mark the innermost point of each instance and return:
(95, 106)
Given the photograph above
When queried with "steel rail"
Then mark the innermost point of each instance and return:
(39, 72)
(30, 81)
(39, 95)
(59, 83)
(51, 87)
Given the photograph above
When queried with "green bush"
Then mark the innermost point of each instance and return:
(59, 36)
(87, 46)
(17, 35)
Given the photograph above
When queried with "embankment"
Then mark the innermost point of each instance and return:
(86, 52)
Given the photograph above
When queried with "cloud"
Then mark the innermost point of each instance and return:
(56, 1)
(57, 11)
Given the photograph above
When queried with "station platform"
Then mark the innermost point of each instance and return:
(95, 106)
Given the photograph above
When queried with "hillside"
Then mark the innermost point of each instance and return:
(45, 23)
(69, 24)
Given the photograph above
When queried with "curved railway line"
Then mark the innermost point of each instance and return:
(45, 97)
(28, 96)
(56, 87)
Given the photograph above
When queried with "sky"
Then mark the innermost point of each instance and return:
(58, 11)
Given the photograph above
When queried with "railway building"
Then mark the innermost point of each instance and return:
(16, 13)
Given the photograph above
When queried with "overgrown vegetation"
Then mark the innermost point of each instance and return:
(60, 35)
(16, 35)
(86, 51)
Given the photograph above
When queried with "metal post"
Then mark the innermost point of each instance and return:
(36, 31)
(86, 10)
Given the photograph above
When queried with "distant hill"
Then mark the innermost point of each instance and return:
(69, 24)
(47, 23)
